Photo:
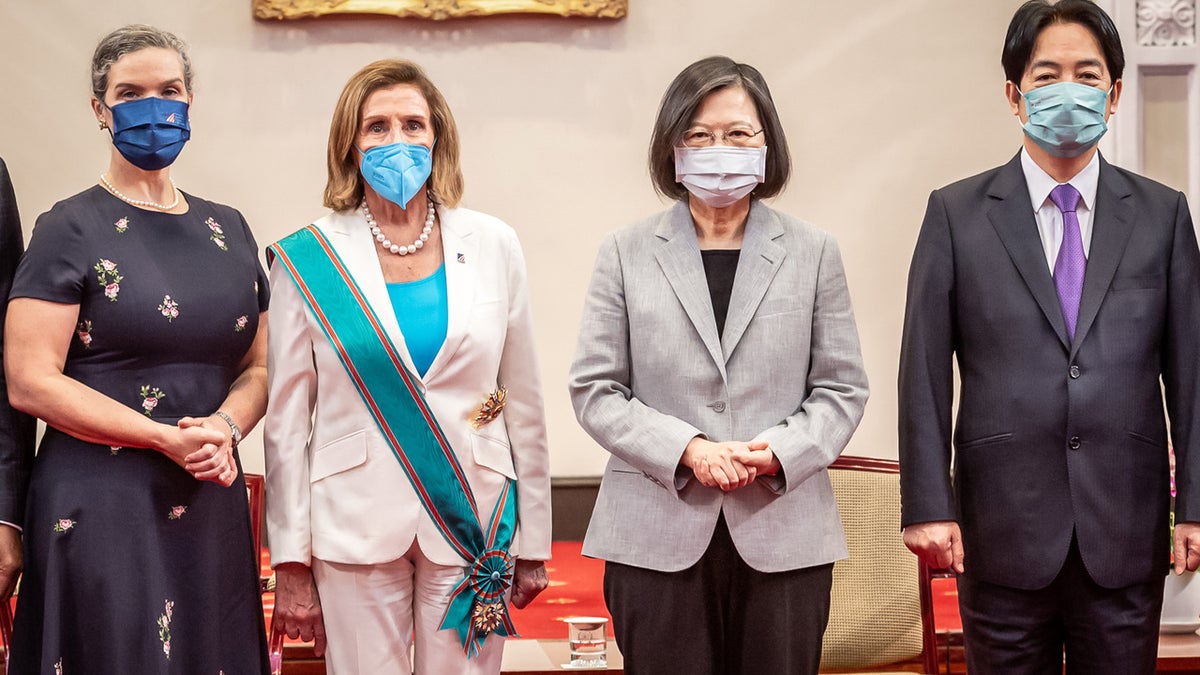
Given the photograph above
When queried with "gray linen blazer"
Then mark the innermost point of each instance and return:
(651, 372)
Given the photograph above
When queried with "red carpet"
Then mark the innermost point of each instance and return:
(945, 605)
(576, 589)
(576, 585)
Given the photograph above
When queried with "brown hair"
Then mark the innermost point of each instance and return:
(685, 94)
(344, 188)
(129, 39)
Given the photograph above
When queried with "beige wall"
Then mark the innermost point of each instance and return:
(883, 100)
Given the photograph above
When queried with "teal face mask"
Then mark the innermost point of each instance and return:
(1066, 119)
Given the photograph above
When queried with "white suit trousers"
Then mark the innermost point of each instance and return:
(375, 613)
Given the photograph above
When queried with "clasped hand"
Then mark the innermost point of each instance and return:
(203, 446)
(729, 465)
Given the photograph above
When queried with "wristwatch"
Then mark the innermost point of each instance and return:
(237, 433)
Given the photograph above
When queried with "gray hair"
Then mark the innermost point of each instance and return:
(129, 39)
(685, 94)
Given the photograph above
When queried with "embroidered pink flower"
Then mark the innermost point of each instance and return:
(122, 225)
(109, 277)
(218, 235)
(58, 667)
(150, 398)
(63, 524)
(176, 512)
(240, 324)
(84, 330)
(169, 308)
(164, 628)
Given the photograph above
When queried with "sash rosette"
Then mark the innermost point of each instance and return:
(477, 606)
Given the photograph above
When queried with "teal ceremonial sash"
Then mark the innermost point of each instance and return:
(477, 606)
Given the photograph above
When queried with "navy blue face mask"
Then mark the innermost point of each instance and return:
(150, 132)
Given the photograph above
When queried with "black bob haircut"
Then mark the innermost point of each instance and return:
(1034, 16)
(684, 96)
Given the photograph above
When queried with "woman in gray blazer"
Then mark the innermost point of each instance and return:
(718, 361)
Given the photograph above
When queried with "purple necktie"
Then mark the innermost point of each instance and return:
(1068, 269)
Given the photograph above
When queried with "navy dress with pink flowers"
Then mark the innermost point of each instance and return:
(131, 564)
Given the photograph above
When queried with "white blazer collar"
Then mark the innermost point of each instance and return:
(351, 238)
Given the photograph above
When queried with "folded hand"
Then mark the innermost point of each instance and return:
(212, 460)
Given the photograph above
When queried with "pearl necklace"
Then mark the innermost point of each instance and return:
(399, 249)
(139, 202)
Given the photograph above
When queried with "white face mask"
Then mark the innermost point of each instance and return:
(720, 175)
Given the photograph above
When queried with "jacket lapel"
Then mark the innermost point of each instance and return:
(353, 242)
(459, 248)
(759, 261)
(678, 255)
(1012, 217)
(1112, 223)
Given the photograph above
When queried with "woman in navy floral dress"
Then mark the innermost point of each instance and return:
(134, 332)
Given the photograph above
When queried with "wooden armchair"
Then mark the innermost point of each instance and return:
(6, 627)
(881, 616)
(256, 493)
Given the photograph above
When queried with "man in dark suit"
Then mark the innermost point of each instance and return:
(1068, 290)
(16, 429)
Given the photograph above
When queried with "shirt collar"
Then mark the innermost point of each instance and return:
(1041, 184)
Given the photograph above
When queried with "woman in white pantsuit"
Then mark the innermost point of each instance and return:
(367, 562)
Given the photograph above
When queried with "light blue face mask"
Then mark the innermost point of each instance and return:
(397, 171)
(1066, 119)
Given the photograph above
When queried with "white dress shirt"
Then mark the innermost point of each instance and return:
(1049, 218)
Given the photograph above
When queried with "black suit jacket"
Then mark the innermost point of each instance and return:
(16, 429)
(1052, 435)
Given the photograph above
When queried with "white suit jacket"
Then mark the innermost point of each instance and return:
(335, 491)
(651, 373)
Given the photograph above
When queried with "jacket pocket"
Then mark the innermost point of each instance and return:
(984, 440)
(337, 456)
(1144, 438)
(1146, 281)
(494, 454)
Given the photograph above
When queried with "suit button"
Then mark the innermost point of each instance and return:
(1074, 372)
(1073, 443)
(719, 406)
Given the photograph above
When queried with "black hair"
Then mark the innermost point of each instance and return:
(1034, 16)
(683, 98)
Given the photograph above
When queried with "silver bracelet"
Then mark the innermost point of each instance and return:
(237, 433)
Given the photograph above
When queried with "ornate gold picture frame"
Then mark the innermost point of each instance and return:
(438, 9)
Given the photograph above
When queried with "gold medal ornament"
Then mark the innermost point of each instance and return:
(487, 616)
(491, 408)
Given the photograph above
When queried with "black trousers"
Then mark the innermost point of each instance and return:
(1100, 630)
(719, 616)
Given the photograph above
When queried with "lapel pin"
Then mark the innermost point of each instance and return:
(462, 258)
(491, 408)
